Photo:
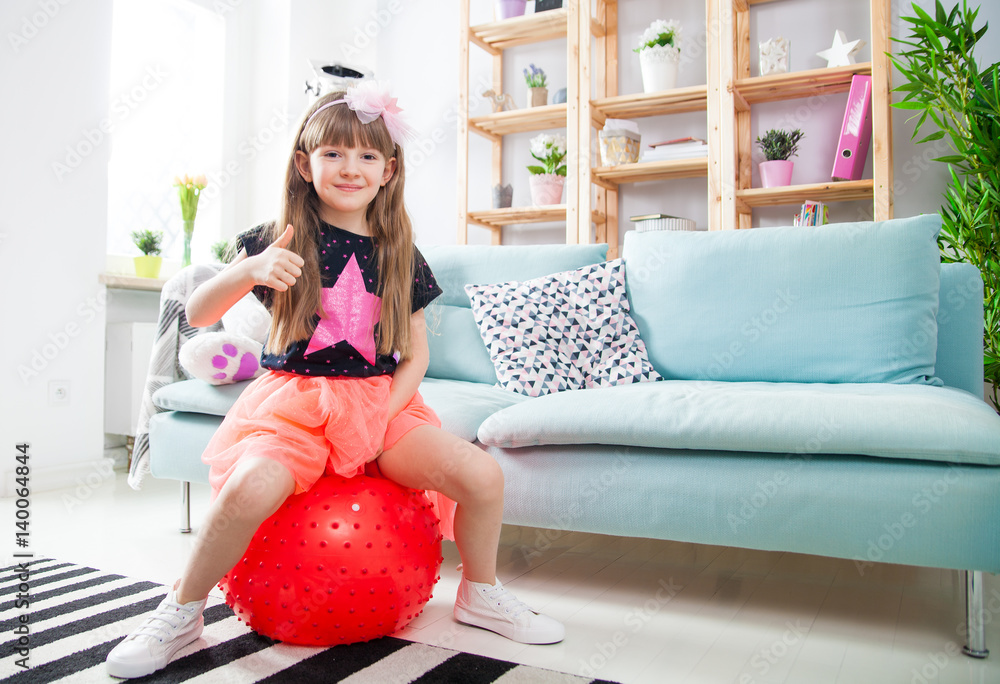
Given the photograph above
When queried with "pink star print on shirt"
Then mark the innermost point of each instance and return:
(353, 313)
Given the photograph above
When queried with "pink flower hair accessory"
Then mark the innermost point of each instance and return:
(369, 100)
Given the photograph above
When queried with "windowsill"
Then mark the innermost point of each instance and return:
(131, 282)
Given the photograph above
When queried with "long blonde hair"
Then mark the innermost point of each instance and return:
(391, 230)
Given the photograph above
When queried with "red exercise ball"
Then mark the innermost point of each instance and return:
(350, 560)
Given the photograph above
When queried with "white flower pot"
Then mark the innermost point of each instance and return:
(659, 68)
(546, 188)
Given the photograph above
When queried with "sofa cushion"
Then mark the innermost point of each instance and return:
(852, 302)
(463, 406)
(457, 351)
(456, 348)
(569, 330)
(885, 420)
(196, 396)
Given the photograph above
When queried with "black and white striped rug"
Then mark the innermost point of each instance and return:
(71, 616)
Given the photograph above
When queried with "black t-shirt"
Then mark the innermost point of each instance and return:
(344, 342)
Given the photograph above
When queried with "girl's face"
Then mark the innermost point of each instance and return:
(346, 180)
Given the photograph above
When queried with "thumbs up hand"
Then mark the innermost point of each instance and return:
(277, 267)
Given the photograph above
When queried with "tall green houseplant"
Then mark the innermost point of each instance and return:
(951, 94)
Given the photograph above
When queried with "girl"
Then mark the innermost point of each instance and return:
(346, 353)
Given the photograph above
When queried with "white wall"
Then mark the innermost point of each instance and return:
(52, 231)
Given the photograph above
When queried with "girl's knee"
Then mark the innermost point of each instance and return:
(483, 479)
(257, 488)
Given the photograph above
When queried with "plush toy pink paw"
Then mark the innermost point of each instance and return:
(220, 358)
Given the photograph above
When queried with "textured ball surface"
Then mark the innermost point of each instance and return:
(350, 560)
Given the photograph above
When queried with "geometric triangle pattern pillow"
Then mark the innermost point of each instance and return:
(565, 331)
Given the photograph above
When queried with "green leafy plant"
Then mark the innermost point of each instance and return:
(950, 95)
(661, 33)
(778, 144)
(551, 151)
(535, 78)
(221, 252)
(147, 241)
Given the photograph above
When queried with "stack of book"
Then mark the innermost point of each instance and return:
(812, 214)
(681, 148)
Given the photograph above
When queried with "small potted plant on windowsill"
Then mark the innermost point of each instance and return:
(538, 93)
(546, 181)
(778, 145)
(148, 242)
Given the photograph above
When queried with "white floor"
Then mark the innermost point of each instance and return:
(635, 610)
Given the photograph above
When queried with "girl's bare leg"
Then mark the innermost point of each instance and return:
(255, 490)
(430, 458)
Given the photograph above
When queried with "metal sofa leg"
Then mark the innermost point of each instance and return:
(975, 646)
(185, 506)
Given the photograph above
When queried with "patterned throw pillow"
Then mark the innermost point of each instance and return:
(565, 331)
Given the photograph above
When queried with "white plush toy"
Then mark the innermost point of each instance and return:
(232, 355)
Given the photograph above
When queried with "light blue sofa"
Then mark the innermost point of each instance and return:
(822, 395)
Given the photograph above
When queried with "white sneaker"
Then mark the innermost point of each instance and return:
(149, 647)
(496, 609)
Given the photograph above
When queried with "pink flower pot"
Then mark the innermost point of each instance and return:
(546, 188)
(505, 9)
(776, 173)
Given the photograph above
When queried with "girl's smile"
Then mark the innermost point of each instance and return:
(347, 179)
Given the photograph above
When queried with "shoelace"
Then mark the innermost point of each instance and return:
(171, 614)
(506, 601)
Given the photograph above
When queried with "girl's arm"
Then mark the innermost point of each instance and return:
(410, 373)
(275, 267)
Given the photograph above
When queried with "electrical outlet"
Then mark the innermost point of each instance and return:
(58, 392)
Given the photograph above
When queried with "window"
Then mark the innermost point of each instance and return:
(165, 119)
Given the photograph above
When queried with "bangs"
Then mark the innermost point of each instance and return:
(339, 126)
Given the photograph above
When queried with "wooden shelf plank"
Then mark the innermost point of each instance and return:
(657, 170)
(531, 28)
(521, 120)
(516, 215)
(798, 84)
(635, 105)
(834, 191)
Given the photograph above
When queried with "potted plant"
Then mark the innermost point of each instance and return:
(505, 9)
(778, 145)
(546, 181)
(545, 5)
(148, 242)
(220, 250)
(538, 94)
(946, 84)
(659, 53)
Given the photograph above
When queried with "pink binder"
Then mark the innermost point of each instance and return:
(856, 133)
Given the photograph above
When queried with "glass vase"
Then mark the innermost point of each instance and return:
(188, 232)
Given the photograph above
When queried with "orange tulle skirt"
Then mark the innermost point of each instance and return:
(315, 426)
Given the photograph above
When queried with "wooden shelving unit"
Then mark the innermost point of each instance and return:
(494, 38)
(732, 199)
(727, 98)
